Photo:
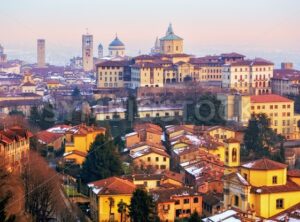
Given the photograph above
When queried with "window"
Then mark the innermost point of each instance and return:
(279, 203)
(149, 159)
(236, 200)
(162, 167)
(274, 180)
(245, 176)
(196, 200)
(165, 159)
(156, 159)
(186, 201)
(145, 183)
(234, 155)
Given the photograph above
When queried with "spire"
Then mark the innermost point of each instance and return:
(157, 45)
(170, 30)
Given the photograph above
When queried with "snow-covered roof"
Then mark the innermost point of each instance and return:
(131, 134)
(224, 216)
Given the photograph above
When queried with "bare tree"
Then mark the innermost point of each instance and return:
(11, 194)
(43, 196)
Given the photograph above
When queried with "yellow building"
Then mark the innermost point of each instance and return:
(261, 186)
(75, 157)
(153, 181)
(144, 132)
(14, 145)
(151, 157)
(53, 84)
(279, 109)
(28, 85)
(171, 43)
(147, 75)
(112, 74)
(177, 203)
(106, 194)
(80, 137)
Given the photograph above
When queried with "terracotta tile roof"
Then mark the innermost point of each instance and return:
(83, 129)
(168, 195)
(147, 151)
(264, 164)
(147, 126)
(269, 98)
(232, 55)
(147, 65)
(110, 63)
(146, 143)
(76, 152)
(293, 173)
(173, 175)
(231, 140)
(143, 177)
(289, 187)
(7, 136)
(112, 185)
(47, 137)
(286, 74)
(255, 62)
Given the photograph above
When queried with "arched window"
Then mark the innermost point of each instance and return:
(234, 155)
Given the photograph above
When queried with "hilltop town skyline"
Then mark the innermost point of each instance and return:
(272, 33)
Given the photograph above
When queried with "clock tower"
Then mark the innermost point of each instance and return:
(87, 53)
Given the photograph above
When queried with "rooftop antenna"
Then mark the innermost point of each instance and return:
(87, 31)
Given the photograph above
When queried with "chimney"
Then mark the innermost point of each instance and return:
(287, 65)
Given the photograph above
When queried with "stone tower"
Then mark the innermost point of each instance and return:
(100, 51)
(41, 58)
(87, 53)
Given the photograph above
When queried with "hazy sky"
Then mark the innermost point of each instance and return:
(262, 28)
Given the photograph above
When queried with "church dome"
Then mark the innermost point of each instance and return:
(116, 42)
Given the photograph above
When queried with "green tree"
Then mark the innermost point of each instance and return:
(76, 93)
(259, 136)
(16, 113)
(194, 217)
(205, 110)
(131, 108)
(142, 207)
(122, 207)
(35, 117)
(48, 116)
(102, 160)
